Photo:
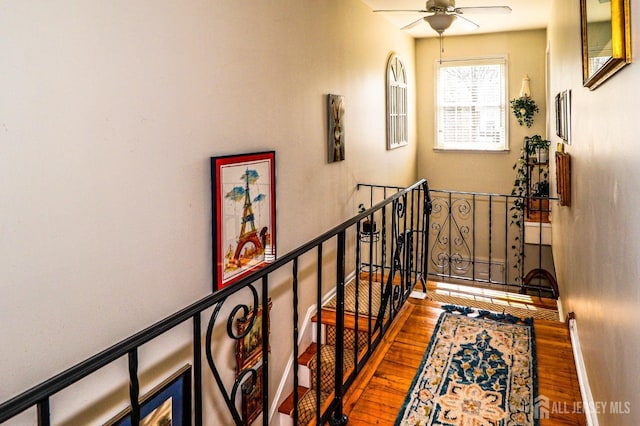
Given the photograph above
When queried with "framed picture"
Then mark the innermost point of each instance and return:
(249, 348)
(563, 115)
(559, 129)
(168, 404)
(335, 140)
(606, 39)
(243, 190)
(252, 399)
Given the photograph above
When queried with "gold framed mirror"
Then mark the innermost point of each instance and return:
(606, 39)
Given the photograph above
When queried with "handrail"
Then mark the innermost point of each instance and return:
(474, 231)
(39, 394)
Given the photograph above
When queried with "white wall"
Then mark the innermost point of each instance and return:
(109, 113)
(597, 239)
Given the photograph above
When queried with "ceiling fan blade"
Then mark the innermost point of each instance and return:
(483, 9)
(402, 10)
(412, 24)
(468, 23)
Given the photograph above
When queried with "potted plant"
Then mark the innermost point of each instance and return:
(530, 201)
(523, 109)
(538, 147)
(538, 210)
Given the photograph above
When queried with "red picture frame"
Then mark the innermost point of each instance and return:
(243, 190)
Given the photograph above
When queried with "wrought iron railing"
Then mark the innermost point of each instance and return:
(487, 240)
(402, 224)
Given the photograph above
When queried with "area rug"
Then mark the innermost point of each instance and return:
(477, 370)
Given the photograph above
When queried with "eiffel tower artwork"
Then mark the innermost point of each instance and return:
(243, 203)
(250, 246)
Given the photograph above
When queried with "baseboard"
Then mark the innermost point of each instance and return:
(560, 310)
(583, 381)
(418, 295)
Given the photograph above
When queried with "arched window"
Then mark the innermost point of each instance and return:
(397, 126)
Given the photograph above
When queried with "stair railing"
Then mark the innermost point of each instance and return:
(248, 301)
(483, 239)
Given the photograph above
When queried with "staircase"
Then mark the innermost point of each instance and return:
(308, 367)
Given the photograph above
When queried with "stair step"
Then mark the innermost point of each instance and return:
(310, 352)
(287, 405)
(329, 317)
(306, 405)
(328, 367)
(307, 396)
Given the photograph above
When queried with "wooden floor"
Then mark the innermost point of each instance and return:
(375, 398)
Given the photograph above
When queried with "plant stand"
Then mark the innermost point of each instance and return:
(370, 238)
(537, 210)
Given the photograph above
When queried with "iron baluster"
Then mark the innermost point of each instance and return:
(338, 417)
(318, 333)
(490, 234)
(134, 387)
(197, 369)
(295, 341)
(44, 413)
(265, 321)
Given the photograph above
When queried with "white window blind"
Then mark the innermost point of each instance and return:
(471, 104)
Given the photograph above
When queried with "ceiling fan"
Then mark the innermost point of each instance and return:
(442, 13)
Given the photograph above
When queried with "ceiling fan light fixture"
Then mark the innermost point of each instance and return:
(440, 21)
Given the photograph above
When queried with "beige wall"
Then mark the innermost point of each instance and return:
(108, 116)
(490, 172)
(478, 171)
(597, 239)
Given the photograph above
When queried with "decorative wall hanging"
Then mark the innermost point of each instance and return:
(563, 177)
(168, 404)
(606, 39)
(397, 119)
(249, 346)
(335, 140)
(243, 192)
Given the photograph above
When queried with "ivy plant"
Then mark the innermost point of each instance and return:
(523, 109)
(521, 190)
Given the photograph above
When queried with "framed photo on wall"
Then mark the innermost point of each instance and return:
(168, 404)
(252, 398)
(563, 115)
(243, 190)
(249, 347)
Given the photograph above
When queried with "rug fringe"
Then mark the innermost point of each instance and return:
(465, 310)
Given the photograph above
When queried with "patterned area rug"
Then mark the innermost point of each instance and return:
(476, 371)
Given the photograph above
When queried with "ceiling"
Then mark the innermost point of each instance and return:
(525, 15)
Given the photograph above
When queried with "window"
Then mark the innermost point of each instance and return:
(471, 104)
(397, 126)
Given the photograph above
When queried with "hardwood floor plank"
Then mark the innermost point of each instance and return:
(377, 396)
